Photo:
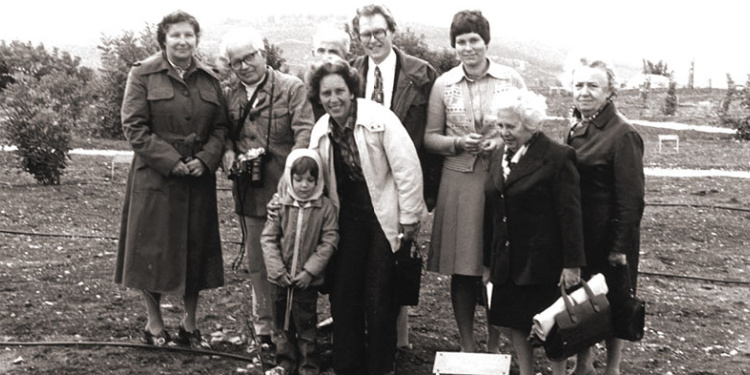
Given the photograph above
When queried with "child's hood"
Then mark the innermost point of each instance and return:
(287, 177)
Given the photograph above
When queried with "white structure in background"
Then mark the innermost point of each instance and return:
(657, 81)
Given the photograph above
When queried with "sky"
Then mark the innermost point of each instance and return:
(712, 33)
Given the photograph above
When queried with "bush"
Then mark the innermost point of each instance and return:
(670, 103)
(36, 123)
(736, 115)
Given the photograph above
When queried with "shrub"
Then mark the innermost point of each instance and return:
(36, 123)
(670, 103)
(736, 115)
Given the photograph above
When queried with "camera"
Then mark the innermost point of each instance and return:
(249, 165)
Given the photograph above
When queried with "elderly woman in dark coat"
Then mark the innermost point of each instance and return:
(174, 119)
(534, 216)
(610, 162)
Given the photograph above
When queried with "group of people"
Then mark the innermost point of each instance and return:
(333, 172)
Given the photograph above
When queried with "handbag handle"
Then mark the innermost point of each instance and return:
(569, 303)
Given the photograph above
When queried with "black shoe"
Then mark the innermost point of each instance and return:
(157, 340)
(266, 344)
(192, 339)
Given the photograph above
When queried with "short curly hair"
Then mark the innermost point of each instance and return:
(526, 107)
(327, 67)
(170, 19)
(470, 21)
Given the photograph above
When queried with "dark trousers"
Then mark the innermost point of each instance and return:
(295, 348)
(363, 301)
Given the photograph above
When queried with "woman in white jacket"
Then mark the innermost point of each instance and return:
(373, 175)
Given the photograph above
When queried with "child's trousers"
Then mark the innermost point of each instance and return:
(295, 348)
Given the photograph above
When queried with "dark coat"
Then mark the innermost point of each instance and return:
(411, 95)
(534, 218)
(610, 162)
(291, 122)
(169, 235)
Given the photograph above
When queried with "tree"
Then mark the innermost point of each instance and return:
(117, 55)
(691, 75)
(274, 57)
(659, 68)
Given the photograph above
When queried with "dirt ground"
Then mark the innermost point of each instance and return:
(60, 289)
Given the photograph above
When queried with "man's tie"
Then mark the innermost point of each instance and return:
(377, 92)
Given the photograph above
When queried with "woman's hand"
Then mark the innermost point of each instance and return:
(409, 231)
(284, 280)
(616, 259)
(469, 143)
(570, 277)
(488, 145)
(180, 169)
(228, 160)
(302, 280)
(196, 167)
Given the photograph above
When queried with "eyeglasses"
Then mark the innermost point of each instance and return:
(379, 34)
(248, 60)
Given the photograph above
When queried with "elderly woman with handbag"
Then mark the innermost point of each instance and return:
(610, 162)
(533, 212)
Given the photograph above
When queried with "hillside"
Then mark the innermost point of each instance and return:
(539, 64)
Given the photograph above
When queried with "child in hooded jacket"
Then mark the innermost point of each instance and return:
(297, 244)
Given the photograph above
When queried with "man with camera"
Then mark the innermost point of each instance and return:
(269, 116)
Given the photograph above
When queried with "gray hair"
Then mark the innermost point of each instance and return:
(332, 34)
(527, 108)
(241, 37)
(603, 66)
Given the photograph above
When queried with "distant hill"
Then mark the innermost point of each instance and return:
(539, 64)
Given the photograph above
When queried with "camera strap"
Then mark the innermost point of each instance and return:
(270, 115)
(249, 106)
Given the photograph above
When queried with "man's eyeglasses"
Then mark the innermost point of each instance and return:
(379, 34)
(248, 60)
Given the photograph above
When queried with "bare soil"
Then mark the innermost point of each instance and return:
(60, 289)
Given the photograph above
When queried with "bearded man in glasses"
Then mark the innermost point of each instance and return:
(269, 117)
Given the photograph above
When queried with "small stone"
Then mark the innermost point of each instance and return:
(18, 361)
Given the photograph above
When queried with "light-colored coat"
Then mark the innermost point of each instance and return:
(389, 163)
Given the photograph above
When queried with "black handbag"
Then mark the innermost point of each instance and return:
(409, 265)
(579, 326)
(628, 312)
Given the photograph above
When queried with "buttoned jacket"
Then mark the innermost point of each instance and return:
(610, 163)
(533, 219)
(166, 118)
(288, 115)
